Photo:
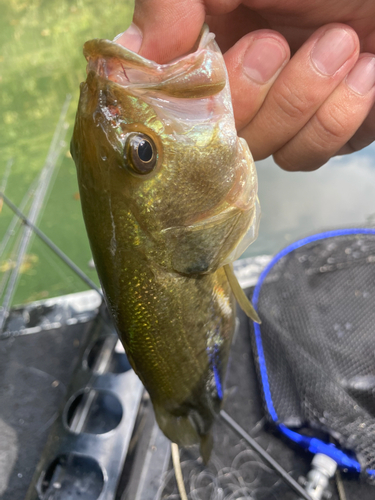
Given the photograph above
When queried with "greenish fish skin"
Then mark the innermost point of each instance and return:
(160, 240)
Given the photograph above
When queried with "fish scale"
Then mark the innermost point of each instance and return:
(165, 220)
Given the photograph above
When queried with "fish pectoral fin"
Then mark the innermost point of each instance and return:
(240, 295)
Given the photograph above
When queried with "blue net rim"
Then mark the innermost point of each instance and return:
(314, 445)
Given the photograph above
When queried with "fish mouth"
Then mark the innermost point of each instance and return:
(182, 77)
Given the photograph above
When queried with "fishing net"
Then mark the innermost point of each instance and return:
(315, 348)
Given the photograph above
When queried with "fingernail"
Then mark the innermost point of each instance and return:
(332, 50)
(263, 59)
(131, 38)
(361, 79)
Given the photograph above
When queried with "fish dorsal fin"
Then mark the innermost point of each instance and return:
(240, 295)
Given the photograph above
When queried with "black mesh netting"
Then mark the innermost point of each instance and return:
(317, 307)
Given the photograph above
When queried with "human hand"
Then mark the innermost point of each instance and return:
(302, 110)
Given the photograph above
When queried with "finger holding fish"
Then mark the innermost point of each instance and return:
(254, 64)
(261, 108)
(363, 137)
(327, 132)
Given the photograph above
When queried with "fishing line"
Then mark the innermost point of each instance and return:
(178, 471)
(338, 479)
(49, 170)
(51, 245)
(340, 485)
(265, 456)
(11, 228)
(5, 178)
(9, 265)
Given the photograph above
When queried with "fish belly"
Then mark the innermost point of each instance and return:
(177, 332)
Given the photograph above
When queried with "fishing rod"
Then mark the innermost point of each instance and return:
(52, 246)
(39, 196)
(11, 231)
(5, 178)
(49, 168)
(11, 228)
(7, 265)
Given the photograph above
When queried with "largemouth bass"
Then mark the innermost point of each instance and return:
(168, 194)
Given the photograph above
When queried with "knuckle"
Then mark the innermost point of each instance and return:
(332, 126)
(300, 157)
(291, 103)
(285, 162)
(290, 164)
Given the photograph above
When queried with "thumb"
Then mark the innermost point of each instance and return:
(163, 30)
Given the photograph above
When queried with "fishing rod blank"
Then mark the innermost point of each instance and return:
(6, 177)
(39, 197)
(52, 246)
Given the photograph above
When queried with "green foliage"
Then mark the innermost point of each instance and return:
(40, 62)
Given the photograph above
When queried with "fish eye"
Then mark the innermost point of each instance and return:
(141, 153)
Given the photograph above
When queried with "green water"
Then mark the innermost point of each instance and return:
(40, 62)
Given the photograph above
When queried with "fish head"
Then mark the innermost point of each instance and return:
(160, 166)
